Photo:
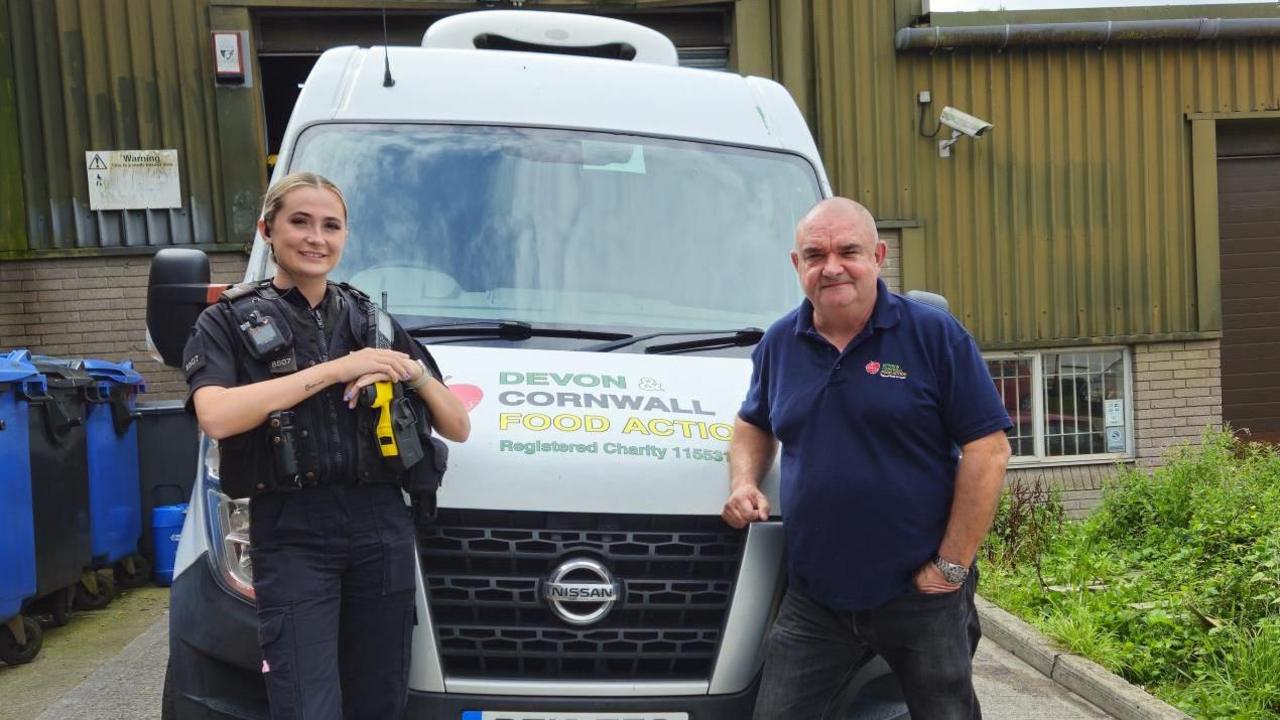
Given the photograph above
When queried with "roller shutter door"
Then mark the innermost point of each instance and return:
(1249, 217)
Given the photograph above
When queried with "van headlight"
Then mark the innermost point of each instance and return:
(228, 522)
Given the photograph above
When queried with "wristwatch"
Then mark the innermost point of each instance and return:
(951, 572)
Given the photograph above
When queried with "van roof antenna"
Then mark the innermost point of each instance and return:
(386, 52)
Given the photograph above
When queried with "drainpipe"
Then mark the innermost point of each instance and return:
(1096, 33)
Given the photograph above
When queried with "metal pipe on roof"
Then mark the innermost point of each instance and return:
(1102, 32)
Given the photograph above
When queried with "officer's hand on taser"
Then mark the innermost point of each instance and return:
(745, 505)
(392, 363)
(351, 393)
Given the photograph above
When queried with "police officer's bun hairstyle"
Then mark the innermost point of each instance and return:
(274, 199)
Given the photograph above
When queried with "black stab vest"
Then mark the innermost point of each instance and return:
(331, 448)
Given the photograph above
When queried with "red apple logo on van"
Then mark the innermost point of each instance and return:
(470, 395)
(873, 367)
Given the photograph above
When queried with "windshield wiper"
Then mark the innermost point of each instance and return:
(722, 338)
(507, 330)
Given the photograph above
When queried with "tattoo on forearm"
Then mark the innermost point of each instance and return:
(312, 386)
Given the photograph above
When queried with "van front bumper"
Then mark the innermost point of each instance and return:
(214, 670)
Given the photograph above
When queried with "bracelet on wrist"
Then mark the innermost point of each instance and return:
(422, 379)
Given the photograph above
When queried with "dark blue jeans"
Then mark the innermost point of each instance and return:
(333, 568)
(928, 640)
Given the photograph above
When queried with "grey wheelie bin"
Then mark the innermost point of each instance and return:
(59, 483)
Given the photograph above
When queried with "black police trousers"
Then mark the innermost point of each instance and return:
(333, 570)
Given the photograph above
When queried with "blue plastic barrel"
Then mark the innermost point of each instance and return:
(115, 501)
(166, 526)
(17, 528)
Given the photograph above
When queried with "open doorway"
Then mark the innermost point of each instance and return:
(288, 43)
(282, 78)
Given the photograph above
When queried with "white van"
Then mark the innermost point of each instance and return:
(589, 246)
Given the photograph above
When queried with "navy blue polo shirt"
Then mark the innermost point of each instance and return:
(870, 441)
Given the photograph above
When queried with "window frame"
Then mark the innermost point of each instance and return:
(1039, 458)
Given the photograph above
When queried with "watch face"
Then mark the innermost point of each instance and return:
(954, 574)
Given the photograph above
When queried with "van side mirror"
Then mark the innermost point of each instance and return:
(929, 298)
(178, 290)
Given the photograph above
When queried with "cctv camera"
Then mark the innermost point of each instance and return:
(961, 121)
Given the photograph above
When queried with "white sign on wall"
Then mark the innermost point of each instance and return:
(1115, 440)
(1114, 410)
(228, 60)
(133, 179)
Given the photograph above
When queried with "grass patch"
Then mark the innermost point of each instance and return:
(1173, 583)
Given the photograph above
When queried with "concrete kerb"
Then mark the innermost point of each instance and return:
(1111, 693)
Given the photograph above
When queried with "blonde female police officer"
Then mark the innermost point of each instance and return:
(282, 362)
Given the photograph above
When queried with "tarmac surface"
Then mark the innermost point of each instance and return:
(109, 665)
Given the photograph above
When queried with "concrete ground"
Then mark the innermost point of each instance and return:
(1010, 689)
(83, 649)
(109, 665)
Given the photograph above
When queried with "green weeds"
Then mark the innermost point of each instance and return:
(1174, 582)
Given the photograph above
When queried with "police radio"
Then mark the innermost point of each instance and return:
(282, 434)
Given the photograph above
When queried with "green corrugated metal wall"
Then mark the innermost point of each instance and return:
(1073, 217)
(90, 75)
(79, 75)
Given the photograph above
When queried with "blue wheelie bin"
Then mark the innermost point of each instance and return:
(18, 378)
(115, 502)
(59, 483)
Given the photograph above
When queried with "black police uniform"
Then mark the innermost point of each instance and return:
(331, 538)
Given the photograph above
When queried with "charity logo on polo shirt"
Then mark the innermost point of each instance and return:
(893, 371)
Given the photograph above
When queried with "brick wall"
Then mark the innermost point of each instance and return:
(91, 307)
(891, 273)
(1177, 393)
(1081, 485)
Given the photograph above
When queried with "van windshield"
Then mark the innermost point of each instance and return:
(564, 227)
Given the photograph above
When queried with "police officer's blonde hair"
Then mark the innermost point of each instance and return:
(274, 199)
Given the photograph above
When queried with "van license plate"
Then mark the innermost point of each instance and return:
(545, 715)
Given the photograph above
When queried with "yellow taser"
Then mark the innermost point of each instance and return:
(379, 396)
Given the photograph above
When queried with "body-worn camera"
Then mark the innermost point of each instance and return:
(266, 340)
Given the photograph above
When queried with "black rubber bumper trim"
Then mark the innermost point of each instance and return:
(214, 662)
(423, 706)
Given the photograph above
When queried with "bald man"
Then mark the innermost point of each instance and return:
(893, 457)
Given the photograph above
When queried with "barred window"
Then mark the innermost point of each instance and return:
(1066, 404)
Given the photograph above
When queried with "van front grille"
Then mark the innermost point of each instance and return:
(485, 569)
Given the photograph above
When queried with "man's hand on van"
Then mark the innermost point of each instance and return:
(746, 504)
(751, 454)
